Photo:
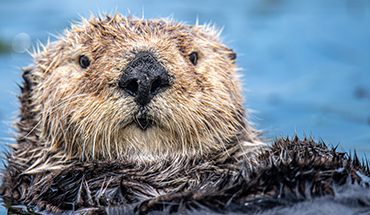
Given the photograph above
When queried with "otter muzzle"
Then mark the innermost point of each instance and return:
(144, 78)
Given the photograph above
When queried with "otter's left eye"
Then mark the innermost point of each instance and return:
(193, 57)
(232, 55)
(84, 62)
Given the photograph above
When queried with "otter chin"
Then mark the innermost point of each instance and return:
(126, 115)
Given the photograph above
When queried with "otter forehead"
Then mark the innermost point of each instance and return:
(119, 86)
(125, 37)
(156, 33)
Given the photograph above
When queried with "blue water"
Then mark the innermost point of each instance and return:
(306, 64)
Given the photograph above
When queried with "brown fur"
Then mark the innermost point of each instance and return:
(291, 171)
(69, 112)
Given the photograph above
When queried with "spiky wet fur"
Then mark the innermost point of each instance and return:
(69, 113)
(291, 172)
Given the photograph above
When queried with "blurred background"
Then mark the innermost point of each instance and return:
(306, 64)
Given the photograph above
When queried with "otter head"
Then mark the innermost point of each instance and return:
(117, 86)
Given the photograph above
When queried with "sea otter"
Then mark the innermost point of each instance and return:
(126, 115)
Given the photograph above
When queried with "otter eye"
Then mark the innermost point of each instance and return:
(84, 62)
(193, 57)
(232, 56)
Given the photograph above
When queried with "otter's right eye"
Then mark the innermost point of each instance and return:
(84, 62)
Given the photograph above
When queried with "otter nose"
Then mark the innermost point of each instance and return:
(144, 78)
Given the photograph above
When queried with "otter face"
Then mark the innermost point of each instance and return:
(120, 86)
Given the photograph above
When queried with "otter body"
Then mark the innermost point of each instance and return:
(124, 115)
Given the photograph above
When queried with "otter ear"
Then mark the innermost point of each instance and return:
(27, 77)
(231, 55)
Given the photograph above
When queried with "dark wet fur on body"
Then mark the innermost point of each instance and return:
(290, 172)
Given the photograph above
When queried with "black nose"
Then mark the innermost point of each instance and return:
(144, 78)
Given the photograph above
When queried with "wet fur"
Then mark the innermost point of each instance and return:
(70, 112)
(290, 173)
